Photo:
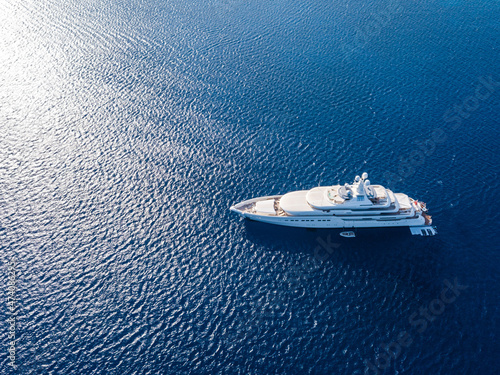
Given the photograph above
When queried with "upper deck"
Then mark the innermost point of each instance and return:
(359, 196)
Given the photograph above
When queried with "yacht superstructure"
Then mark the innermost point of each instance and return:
(356, 205)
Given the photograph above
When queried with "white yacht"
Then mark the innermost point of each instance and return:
(356, 205)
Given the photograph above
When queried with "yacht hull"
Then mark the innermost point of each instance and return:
(416, 224)
(359, 205)
(334, 222)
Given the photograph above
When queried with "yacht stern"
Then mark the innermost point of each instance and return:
(424, 230)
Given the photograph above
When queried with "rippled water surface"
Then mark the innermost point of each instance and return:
(128, 129)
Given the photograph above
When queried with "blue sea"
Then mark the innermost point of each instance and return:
(128, 128)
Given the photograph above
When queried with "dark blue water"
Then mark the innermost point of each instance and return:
(128, 129)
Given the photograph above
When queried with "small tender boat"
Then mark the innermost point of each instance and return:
(348, 234)
(356, 205)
